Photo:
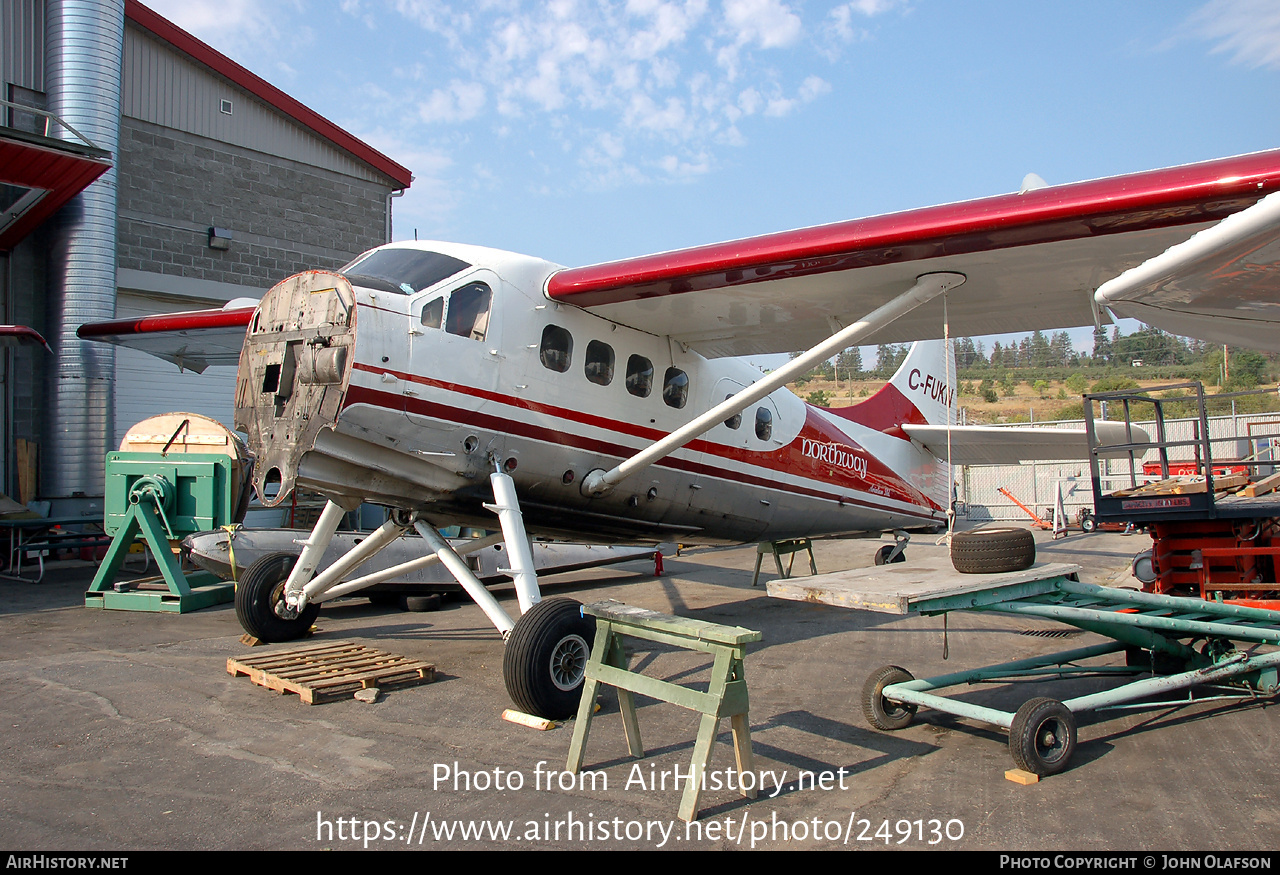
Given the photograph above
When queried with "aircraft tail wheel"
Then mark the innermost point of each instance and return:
(545, 661)
(260, 605)
(881, 713)
(883, 554)
(1042, 736)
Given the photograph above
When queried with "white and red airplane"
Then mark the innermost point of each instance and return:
(453, 382)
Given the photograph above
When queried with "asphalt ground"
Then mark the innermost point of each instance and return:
(123, 731)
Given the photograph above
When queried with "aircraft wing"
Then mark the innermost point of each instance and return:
(1223, 284)
(1033, 260)
(1001, 445)
(192, 340)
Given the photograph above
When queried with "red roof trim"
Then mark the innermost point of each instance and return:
(222, 65)
(1189, 194)
(193, 320)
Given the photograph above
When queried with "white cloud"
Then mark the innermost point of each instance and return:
(767, 23)
(460, 102)
(1247, 29)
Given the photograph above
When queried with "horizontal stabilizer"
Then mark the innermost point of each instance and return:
(1002, 445)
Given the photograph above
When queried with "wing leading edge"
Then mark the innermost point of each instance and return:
(1033, 261)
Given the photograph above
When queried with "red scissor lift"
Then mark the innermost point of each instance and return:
(1214, 524)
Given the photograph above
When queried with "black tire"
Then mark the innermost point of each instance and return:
(260, 604)
(988, 551)
(882, 555)
(1088, 524)
(881, 713)
(546, 658)
(1042, 737)
(421, 604)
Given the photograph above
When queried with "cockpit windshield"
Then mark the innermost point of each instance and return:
(404, 271)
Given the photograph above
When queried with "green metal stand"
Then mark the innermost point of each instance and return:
(162, 498)
(726, 694)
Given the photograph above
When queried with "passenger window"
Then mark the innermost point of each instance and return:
(469, 311)
(639, 376)
(433, 313)
(764, 423)
(675, 388)
(734, 421)
(599, 363)
(557, 348)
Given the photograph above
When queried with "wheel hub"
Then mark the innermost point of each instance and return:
(569, 662)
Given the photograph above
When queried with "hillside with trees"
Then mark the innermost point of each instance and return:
(1042, 376)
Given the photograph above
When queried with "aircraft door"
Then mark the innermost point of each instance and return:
(454, 353)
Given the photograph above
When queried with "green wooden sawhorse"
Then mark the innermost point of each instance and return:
(726, 695)
(779, 549)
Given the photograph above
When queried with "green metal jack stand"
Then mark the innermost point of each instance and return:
(163, 498)
(726, 694)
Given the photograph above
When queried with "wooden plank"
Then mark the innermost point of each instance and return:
(896, 589)
(1262, 487)
(323, 672)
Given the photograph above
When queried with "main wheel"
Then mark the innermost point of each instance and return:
(260, 605)
(1043, 736)
(545, 661)
(883, 554)
(988, 551)
(879, 711)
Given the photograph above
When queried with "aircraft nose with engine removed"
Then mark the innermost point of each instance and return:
(291, 389)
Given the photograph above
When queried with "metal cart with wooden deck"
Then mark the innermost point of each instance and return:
(1177, 642)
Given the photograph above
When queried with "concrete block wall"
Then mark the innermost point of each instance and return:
(284, 216)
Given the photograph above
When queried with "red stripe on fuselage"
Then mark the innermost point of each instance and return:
(791, 459)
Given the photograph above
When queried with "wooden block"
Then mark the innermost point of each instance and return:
(522, 719)
(1019, 776)
(248, 641)
(1262, 487)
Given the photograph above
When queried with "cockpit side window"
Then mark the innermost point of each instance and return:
(469, 311)
(433, 313)
(403, 271)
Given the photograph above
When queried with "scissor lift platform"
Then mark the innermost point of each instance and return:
(1155, 631)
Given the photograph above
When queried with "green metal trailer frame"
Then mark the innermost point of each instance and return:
(1160, 633)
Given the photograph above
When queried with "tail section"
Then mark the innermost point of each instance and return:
(921, 392)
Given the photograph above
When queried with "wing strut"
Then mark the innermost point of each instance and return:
(927, 287)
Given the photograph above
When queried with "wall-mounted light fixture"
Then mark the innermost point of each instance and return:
(219, 238)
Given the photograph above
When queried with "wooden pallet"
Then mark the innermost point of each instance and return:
(333, 670)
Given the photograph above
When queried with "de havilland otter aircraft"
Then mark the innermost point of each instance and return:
(451, 383)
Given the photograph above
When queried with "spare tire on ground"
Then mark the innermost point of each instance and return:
(988, 551)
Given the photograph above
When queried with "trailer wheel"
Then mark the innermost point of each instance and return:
(988, 551)
(1088, 524)
(260, 605)
(882, 555)
(545, 662)
(1042, 736)
(881, 713)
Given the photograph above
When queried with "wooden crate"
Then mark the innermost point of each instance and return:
(333, 670)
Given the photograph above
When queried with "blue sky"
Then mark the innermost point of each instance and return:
(588, 131)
